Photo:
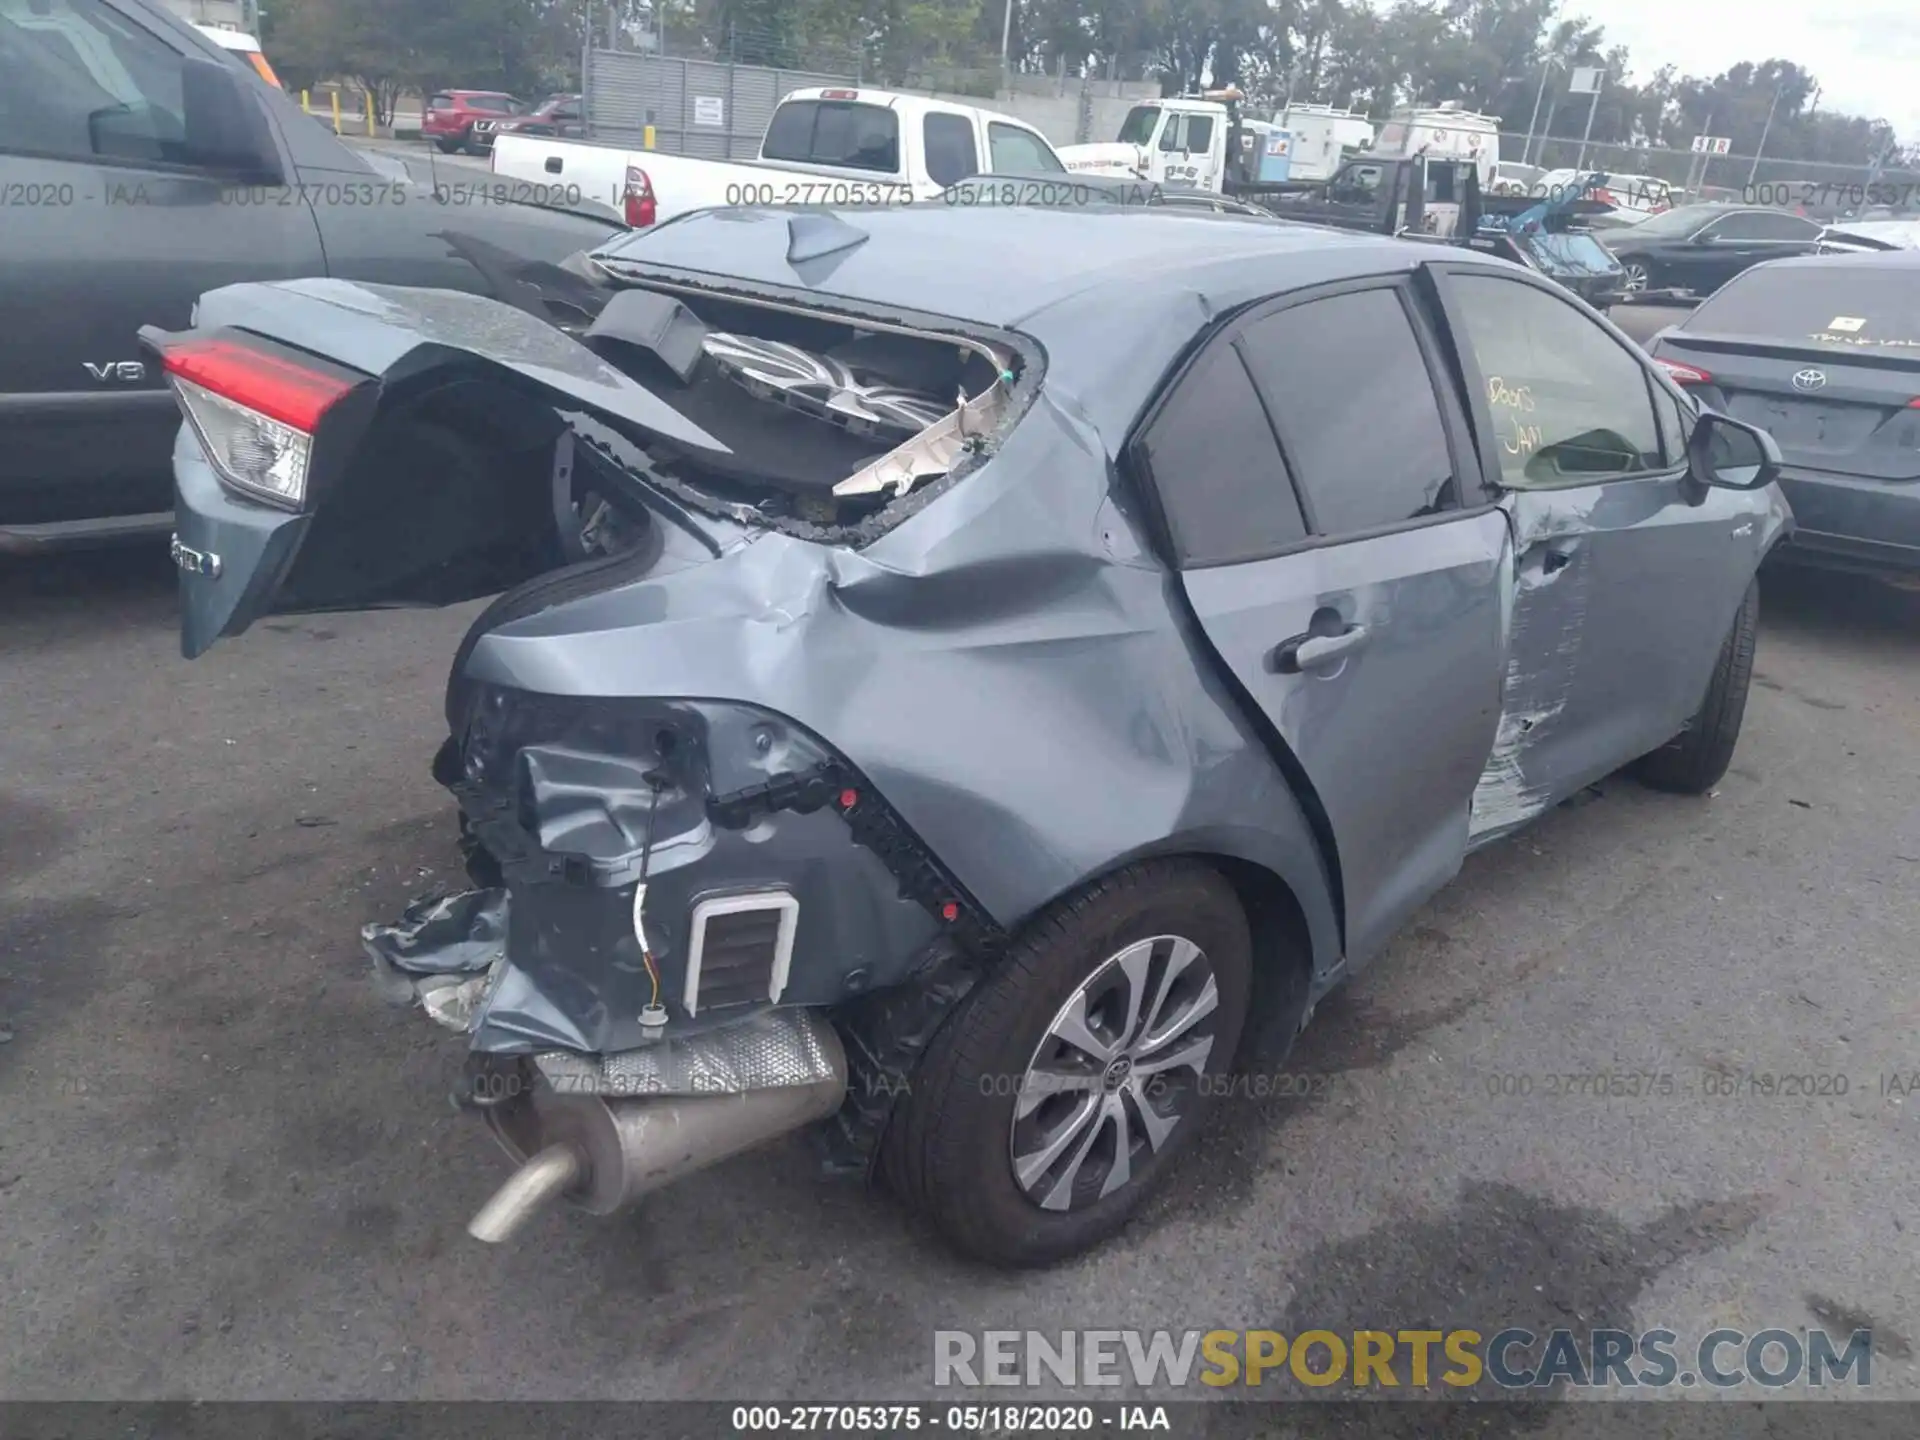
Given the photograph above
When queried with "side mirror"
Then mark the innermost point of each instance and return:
(1732, 454)
(226, 128)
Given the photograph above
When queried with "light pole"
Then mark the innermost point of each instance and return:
(1006, 41)
(1533, 125)
(1763, 135)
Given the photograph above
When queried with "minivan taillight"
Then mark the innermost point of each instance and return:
(637, 201)
(255, 411)
(1683, 374)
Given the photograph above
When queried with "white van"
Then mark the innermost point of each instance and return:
(1322, 138)
(245, 46)
(1445, 131)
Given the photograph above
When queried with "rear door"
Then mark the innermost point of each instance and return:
(1338, 551)
(106, 224)
(1626, 574)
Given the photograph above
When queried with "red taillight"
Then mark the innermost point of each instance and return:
(279, 389)
(1605, 197)
(1683, 374)
(637, 201)
(1914, 404)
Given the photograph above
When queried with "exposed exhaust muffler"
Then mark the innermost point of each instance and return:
(603, 1152)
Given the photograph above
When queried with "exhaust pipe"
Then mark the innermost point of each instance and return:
(604, 1152)
(544, 1178)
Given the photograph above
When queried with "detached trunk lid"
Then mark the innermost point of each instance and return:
(286, 384)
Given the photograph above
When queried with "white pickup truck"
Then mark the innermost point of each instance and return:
(847, 148)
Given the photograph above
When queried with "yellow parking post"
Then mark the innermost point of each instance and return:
(306, 101)
(369, 114)
(646, 137)
(336, 112)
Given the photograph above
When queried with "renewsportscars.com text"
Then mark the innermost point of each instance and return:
(1510, 1359)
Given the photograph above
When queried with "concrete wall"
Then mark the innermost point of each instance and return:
(627, 91)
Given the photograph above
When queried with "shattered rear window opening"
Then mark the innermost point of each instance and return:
(836, 425)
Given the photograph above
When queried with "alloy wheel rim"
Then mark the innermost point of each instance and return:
(1117, 1072)
(1636, 277)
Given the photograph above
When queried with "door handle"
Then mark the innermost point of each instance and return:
(1317, 652)
(555, 164)
(1555, 560)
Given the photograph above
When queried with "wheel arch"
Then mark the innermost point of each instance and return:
(1281, 884)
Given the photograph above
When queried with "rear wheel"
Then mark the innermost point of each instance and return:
(1696, 760)
(1639, 278)
(1069, 1082)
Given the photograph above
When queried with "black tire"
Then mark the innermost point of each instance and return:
(948, 1146)
(446, 146)
(1696, 759)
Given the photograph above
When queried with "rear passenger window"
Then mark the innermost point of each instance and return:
(1222, 484)
(1351, 393)
(949, 145)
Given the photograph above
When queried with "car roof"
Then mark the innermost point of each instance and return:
(958, 260)
(1112, 294)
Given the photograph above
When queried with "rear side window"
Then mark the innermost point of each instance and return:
(492, 104)
(1020, 152)
(1351, 393)
(1845, 304)
(949, 145)
(440, 102)
(835, 132)
(1779, 225)
(1217, 470)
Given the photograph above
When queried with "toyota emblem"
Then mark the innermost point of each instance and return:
(1809, 379)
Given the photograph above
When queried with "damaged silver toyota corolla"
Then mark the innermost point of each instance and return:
(964, 680)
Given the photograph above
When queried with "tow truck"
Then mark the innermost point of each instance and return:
(1202, 143)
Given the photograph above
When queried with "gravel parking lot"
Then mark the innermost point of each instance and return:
(227, 1171)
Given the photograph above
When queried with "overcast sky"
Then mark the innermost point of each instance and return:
(1866, 53)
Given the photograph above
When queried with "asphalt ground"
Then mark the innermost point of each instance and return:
(228, 1171)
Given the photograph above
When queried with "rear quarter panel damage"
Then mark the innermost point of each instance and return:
(1005, 667)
